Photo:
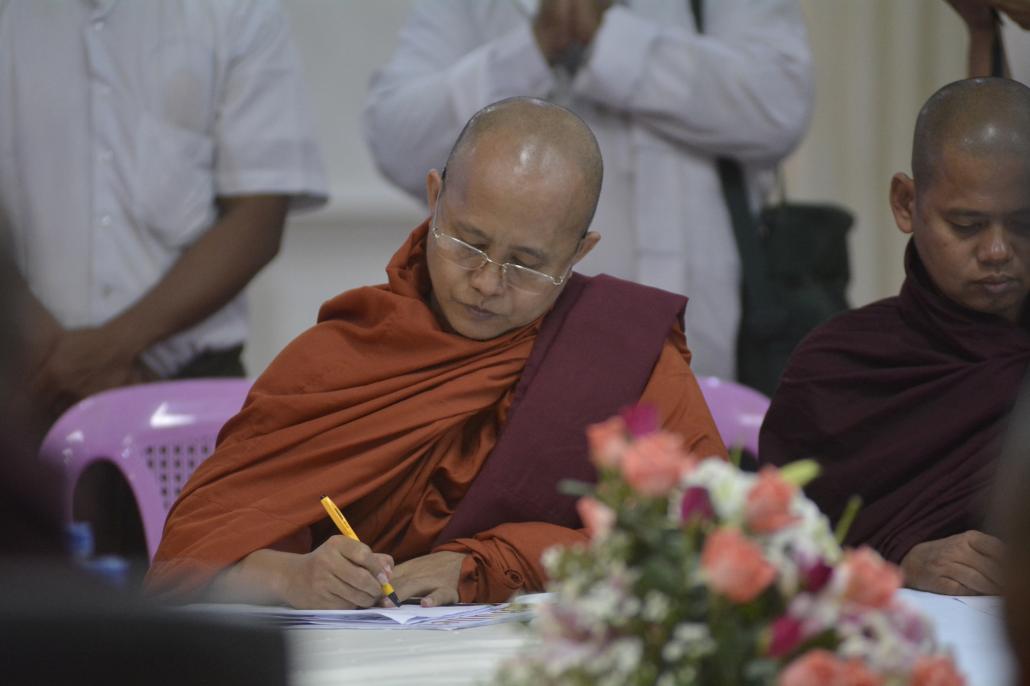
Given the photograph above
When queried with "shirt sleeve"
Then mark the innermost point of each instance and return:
(742, 89)
(443, 71)
(500, 561)
(674, 390)
(263, 129)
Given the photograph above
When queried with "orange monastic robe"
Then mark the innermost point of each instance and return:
(393, 417)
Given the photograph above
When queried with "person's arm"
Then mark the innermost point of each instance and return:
(208, 275)
(743, 88)
(442, 72)
(340, 574)
(969, 563)
(980, 23)
(496, 563)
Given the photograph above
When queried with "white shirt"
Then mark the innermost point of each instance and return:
(663, 102)
(120, 124)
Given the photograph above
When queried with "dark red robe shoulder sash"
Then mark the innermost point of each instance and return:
(594, 355)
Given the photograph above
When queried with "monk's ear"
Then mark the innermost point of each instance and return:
(903, 201)
(433, 183)
(586, 245)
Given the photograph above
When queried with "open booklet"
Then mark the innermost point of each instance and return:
(405, 617)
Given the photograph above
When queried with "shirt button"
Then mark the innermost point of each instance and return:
(106, 290)
(105, 220)
(98, 25)
(106, 155)
(104, 89)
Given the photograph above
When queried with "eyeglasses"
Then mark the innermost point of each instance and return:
(471, 258)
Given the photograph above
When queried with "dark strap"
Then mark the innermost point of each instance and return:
(997, 48)
(763, 314)
(594, 355)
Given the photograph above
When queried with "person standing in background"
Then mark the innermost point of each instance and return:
(663, 100)
(149, 153)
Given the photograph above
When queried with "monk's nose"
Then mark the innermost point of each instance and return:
(996, 246)
(488, 279)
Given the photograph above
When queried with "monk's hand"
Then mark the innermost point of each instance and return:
(83, 362)
(434, 577)
(341, 574)
(969, 563)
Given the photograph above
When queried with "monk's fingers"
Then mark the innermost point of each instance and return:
(972, 580)
(986, 545)
(440, 596)
(360, 555)
(341, 596)
(386, 562)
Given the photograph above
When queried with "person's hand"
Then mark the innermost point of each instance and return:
(340, 574)
(83, 362)
(586, 19)
(969, 563)
(552, 28)
(434, 577)
(975, 13)
(1016, 10)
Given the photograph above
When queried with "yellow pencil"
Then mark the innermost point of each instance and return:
(346, 530)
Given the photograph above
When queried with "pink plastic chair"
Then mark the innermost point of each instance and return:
(154, 434)
(738, 411)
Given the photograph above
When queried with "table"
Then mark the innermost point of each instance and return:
(970, 627)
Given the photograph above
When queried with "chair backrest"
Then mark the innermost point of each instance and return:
(154, 434)
(738, 411)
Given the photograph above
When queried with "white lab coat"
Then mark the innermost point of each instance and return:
(662, 100)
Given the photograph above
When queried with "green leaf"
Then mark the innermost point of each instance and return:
(800, 473)
(847, 518)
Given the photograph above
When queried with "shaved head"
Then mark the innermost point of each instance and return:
(533, 137)
(977, 118)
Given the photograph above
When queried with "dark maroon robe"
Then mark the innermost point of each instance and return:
(904, 403)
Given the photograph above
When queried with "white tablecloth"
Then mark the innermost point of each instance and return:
(971, 628)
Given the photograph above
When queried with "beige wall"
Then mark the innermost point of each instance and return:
(876, 62)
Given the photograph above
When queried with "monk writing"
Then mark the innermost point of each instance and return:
(441, 409)
(904, 401)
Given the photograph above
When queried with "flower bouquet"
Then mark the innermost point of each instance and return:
(700, 573)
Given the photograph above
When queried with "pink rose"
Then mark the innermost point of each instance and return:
(870, 580)
(696, 504)
(823, 668)
(735, 567)
(814, 668)
(936, 670)
(652, 465)
(785, 635)
(855, 673)
(767, 508)
(607, 442)
(640, 419)
(597, 517)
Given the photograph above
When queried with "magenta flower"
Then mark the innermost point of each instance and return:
(640, 419)
(815, 575)
(697, 504)
(787, 632)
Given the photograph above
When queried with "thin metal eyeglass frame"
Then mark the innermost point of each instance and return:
(485, 259)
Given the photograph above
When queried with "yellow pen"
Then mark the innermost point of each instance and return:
(344, 527)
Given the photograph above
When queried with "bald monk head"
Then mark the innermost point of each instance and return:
(510, 215)
(968, 205)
